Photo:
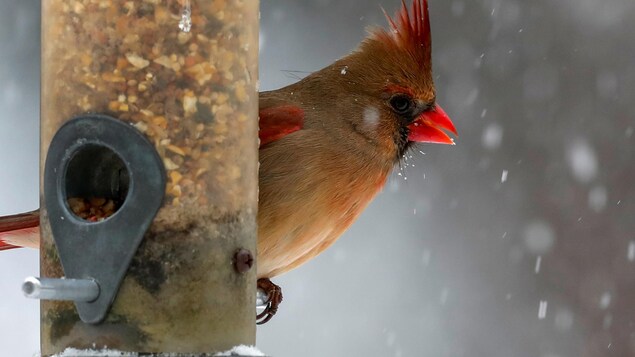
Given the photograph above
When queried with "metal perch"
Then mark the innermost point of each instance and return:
(85, 290)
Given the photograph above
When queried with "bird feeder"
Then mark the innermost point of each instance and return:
(148, 175)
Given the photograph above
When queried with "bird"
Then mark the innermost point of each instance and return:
(328, 144)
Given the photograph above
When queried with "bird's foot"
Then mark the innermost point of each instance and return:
(274, 293)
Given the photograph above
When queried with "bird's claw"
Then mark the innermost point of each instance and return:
(274, 294)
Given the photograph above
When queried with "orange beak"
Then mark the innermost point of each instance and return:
(429, 126)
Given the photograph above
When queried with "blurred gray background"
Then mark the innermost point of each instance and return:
(519, 241)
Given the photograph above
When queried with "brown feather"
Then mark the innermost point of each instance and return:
(315, 182)
(409, 33)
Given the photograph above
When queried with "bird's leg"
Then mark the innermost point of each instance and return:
(274, 293)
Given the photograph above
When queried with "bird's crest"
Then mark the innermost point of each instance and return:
(409, 32)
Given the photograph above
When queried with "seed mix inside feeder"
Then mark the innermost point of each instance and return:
(190, 93)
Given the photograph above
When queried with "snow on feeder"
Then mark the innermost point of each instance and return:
(149, 175)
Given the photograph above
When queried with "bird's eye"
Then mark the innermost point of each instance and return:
(401, 104)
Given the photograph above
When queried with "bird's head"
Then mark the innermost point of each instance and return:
(390, 80)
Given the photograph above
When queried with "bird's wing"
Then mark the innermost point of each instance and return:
(277, 119)
(20, 230)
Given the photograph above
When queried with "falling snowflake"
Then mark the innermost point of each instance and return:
(542, 310)
(538, 262)
(582, 160)
(504, 176)
(186, 18)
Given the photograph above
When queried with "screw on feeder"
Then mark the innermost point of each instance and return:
(243, 260)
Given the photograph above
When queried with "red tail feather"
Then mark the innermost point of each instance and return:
(5, 246)
(24, 224)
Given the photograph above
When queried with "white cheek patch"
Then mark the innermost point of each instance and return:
(371, 118)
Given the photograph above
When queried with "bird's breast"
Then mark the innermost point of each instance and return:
(307, 201)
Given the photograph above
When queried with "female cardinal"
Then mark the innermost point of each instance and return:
(327, 145)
